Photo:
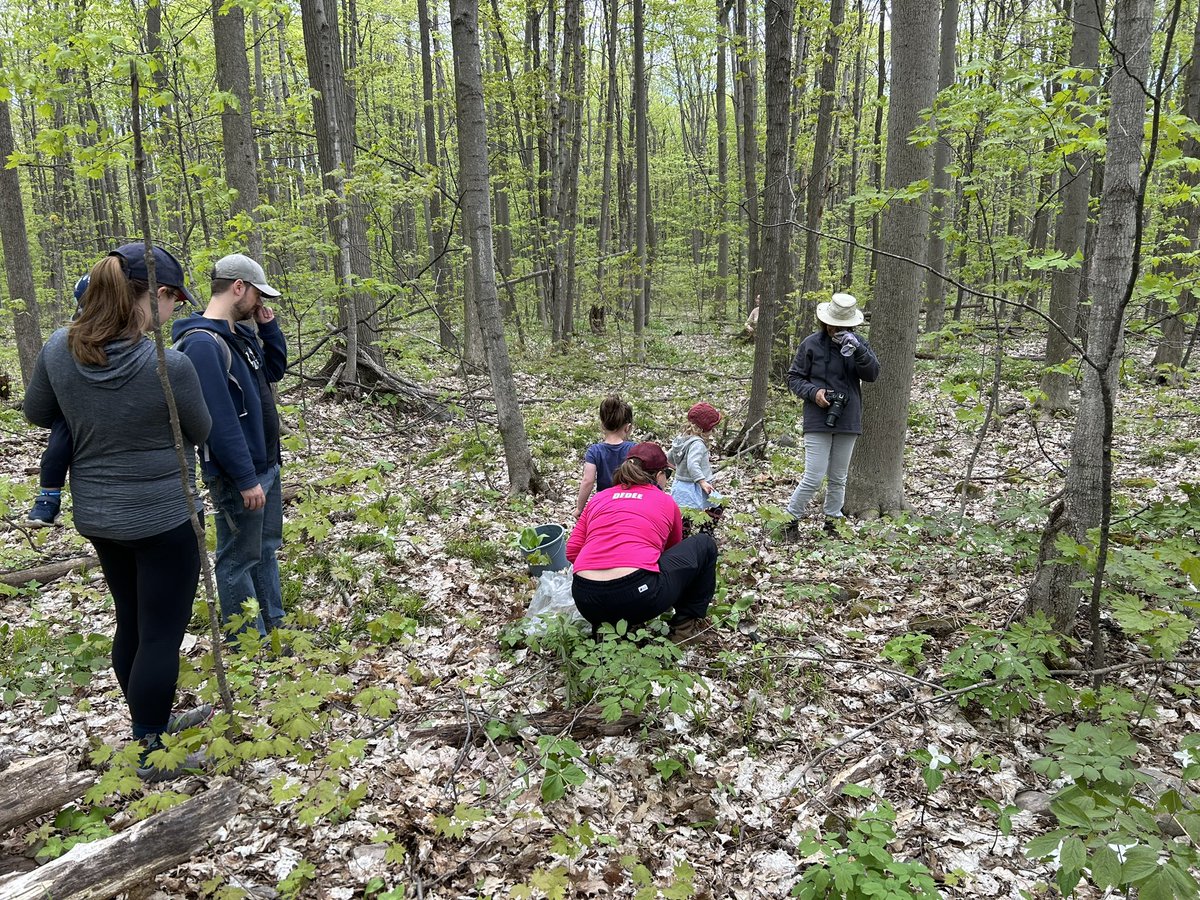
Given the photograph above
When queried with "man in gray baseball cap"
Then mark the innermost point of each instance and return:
(241, 460)
(236, 266)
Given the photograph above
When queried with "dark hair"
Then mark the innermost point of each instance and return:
(220, 285)
(615, 413)
(109, 311)
(631, 473)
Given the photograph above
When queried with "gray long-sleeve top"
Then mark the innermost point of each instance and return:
(124, 471)
(818, 365)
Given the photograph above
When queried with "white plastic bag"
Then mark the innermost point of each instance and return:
(552, 596)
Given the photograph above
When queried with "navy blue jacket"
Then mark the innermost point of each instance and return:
(242, 408)
(819, 365)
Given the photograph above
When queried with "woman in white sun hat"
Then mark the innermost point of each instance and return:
(827, 374)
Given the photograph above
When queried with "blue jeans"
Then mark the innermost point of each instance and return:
(824, 454)
(247, 541)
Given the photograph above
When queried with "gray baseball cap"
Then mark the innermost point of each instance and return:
(235, 266)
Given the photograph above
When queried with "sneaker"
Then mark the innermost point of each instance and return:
(151, 773)
(192, 763)
(689, 631)
(193, 718)
(45, 510)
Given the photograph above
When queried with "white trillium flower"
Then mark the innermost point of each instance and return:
(1189, 756)
(937, 758)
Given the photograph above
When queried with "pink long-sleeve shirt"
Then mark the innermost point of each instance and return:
(625, 526)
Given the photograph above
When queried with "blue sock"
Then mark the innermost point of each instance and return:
(47, 492)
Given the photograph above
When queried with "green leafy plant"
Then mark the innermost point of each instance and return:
(1006, 670)
(558, 755)
(857, 865)
(529, 541)
(906, 650)
(1108, 816)
(71, 826)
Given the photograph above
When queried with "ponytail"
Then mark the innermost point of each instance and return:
(631, 473)
(109, 311)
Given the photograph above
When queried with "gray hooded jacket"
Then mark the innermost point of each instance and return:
(124, 471)
(689, 455)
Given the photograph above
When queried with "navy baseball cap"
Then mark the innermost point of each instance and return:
(81, 287)
(167, 270)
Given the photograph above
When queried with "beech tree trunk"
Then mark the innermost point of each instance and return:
(1115, 265)
(779, 15)
(1071, 227)
(237, 132)
(474, 174)
(22, 294)
(876, 484)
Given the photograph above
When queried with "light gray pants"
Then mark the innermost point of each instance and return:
(824, 454)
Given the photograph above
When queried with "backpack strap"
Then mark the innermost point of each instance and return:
(226, 353)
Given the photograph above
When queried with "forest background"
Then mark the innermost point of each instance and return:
(483, 219)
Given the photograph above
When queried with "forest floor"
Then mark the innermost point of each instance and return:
(400, 562)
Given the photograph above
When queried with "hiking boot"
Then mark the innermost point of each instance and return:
(831, 523)
(45, 510)
(193, 718)
(690, 631)
(790, 532)
(150, 773)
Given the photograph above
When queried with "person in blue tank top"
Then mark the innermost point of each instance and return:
(605, 457)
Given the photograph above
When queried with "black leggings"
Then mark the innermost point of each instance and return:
(153, 583)
(686, 581)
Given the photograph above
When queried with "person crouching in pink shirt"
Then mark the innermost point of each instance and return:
(630, 559)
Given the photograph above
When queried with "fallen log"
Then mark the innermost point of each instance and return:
(38, 785)
(587, 723)
(48, 572)
(116, 864)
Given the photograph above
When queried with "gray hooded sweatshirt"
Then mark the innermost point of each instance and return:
(690, 457)
(124, 471)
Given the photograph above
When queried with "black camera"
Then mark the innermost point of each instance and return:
(837, 406)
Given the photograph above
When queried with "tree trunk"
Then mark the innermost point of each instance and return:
(331, 103)
(749, 154)
(22, 293)
(1071, 226)
(935, 283)
(439, 262)
(474, 175)
(779, 15)
(612, 18)
(877, 156)
(237, 132)
(641, 151)
(1086, 502)
(876, 483)
(722, 286)
(38, 785)
(814, 199)
(1169, 352)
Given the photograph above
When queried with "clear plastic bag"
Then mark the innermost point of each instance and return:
(551, 597)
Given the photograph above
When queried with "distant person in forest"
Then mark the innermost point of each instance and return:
(692, 486)
(751, 321)
(827, 374)
(100, 376)
(631, 560)
(241, 460)
(56, 458)
(601, 459)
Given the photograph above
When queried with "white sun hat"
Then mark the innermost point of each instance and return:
(841, 311)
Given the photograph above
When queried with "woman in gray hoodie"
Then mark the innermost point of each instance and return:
(100, 375)
(827, 374)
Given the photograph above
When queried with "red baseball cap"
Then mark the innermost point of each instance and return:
(651, 456)
(704, 416)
